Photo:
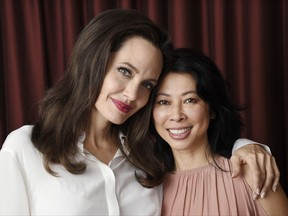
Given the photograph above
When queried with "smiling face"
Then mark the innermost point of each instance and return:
(180, 116)
(131, 74)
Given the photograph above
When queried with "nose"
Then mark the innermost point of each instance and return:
(131, 91)
(177, 114)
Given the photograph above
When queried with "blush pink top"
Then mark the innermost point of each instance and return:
(208, 191)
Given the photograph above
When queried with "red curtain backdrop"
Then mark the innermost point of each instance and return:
(246, 38)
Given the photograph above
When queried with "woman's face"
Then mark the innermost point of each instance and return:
(131, 74)
(180, 116)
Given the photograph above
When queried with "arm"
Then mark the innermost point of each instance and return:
(243, 142)
(13, 196)
(262, 164)
(273, 203)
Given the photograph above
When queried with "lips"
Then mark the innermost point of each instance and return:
(179, 133)
(121, 106)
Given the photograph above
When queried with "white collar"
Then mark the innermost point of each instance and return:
(118, 153)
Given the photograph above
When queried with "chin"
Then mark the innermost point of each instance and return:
(119, 121)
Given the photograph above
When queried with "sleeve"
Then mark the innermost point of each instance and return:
(13, 195)
(242, 142)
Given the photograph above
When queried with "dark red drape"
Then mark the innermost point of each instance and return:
(246, 38)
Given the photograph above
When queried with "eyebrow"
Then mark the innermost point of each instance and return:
(183, 94)
(137, 71)
(131, 66)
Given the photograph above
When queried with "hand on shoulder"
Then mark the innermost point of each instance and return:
(274, 203)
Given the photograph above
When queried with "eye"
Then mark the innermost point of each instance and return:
(162, 102)
(191, 100)
(148, 85)
(126, 72)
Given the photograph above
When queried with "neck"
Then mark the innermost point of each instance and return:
(192, 158)
(100, 141)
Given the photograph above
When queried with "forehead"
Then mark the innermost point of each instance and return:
(178, 81)
(140, 53)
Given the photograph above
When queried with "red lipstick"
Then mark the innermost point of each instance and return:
(121, 106)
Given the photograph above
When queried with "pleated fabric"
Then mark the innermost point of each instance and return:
(208, 191)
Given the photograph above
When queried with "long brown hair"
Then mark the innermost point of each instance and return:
(65, 111)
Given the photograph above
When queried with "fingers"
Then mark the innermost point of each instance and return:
(236, 165)
(269, 176)
(276, 175)
(262, 165)
(273, 175)
(251, 161)
(265, 173)
(258, 172)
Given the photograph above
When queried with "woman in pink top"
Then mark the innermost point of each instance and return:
(197, 125)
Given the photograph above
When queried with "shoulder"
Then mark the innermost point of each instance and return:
(273, 202)
(19, 135)
(223, 163)
(18, 140)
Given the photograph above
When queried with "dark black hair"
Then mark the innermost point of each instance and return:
(225, 125)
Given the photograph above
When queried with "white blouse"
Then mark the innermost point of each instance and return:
(27, 189)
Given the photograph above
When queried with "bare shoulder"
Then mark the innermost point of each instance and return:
(274, 203)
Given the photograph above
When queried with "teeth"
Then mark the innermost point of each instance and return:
(178, 131)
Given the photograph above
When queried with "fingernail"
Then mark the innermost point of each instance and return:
(257, 191)
(232, 174)
(262, 195)
(274, 188)
(254, 196)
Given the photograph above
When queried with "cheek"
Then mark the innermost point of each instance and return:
(112, 82)
(142, 99)
(108, 89)
(202, 117)
(158, 116)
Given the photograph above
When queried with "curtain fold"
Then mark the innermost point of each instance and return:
(23, 56)
(246, 38)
